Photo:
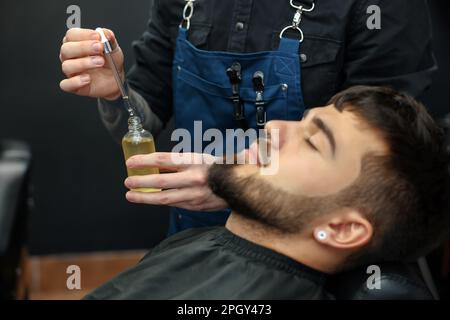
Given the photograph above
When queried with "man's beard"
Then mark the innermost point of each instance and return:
(253, 198)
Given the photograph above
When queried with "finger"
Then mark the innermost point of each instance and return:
(71, 50)
(111, 37)
(75, 83)
(75, 66)
(168, 160)
(166, 197)
(183, 179)
(79, 34)
(156, 159)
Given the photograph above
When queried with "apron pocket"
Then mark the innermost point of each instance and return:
(275, 97)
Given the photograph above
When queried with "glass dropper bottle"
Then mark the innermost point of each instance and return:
(137, 140)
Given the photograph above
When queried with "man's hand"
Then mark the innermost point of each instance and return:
(185, 187)
(85, 67)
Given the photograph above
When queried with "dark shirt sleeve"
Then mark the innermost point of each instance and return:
(397, 55)
(151, 75)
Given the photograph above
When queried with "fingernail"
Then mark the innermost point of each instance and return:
(131, 163)
(95, 36)
(97, 47)
(130, 196)
(85, 78)
(98, 61)
(128, 182)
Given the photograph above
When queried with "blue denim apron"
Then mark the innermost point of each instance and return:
(202, 92)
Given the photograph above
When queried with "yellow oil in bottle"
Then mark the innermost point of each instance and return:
(139, 141)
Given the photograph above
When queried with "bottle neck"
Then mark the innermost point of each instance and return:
(134, 124)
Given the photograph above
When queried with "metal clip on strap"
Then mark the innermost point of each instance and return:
(297, 19)
(188, 12)
(234, 74)
(258, 85)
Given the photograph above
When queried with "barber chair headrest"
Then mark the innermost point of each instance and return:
(397, 282)
(15, 159)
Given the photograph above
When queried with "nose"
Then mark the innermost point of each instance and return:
(278, 131)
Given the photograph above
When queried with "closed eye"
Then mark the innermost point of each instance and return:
(309, 143)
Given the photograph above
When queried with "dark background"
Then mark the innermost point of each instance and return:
(78, 169)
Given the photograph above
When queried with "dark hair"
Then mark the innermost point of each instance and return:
(406, 194)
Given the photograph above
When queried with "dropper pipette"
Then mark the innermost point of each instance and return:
(108, 51)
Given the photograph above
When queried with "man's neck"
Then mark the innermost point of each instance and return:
(295, 247)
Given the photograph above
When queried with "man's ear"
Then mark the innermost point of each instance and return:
(347, 230)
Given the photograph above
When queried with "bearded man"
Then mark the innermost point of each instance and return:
(361, 180)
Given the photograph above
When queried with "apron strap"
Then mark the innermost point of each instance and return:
(183, 33)
(288, 45)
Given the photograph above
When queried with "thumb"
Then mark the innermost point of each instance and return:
(111, 38)
(116, 53)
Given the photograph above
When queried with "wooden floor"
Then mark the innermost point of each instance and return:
(47, 276)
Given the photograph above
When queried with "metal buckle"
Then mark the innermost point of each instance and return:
(302, 7)
(297, 19)
(294, 28)
(188, 12)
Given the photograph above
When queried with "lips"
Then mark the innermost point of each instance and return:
(264, 150)
(259, 152)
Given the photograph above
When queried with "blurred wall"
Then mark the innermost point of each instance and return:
(78, 170)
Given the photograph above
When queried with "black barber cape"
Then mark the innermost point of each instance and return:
(213, 263)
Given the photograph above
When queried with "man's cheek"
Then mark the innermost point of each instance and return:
(311, 180)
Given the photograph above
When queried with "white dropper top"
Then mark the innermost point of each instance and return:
(105, 41)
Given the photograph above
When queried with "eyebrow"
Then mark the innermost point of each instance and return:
(327, 131)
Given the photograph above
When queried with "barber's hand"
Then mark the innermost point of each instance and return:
(186, 188)
(83, 63)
